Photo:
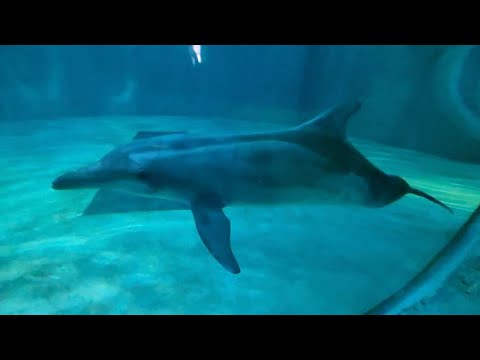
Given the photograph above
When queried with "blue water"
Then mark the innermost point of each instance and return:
(65, 112)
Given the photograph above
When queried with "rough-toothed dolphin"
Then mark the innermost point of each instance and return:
(310, 163)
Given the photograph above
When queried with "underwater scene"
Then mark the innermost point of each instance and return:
(239, 179)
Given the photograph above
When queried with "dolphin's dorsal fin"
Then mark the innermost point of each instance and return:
(150, 134)
(333, 122)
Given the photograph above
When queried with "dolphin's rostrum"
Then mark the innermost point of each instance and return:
(311, 163)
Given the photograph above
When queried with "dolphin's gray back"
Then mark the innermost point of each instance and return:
(249, 172)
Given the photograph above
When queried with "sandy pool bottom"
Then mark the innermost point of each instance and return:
(294, 260)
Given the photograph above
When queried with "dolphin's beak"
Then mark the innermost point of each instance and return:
(84, 178)
(71, 180)
(429, 197)
(59, 183)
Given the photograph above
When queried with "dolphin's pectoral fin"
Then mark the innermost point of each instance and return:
(213, 226)
(107, 201)
(150, 134)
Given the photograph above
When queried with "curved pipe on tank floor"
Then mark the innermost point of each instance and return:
(437, 271)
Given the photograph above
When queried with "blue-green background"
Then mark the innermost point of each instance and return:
(64, 106)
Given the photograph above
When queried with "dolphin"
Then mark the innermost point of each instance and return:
(312, 163)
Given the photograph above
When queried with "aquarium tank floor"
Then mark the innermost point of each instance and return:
(294, 259)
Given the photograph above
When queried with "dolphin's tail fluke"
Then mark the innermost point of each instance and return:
(429, 197)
